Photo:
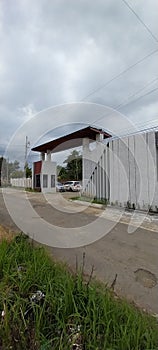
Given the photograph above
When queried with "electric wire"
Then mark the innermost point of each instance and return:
(140, 20)
(124, 103)
(119, 75)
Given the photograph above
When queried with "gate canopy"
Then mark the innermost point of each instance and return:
(71, 140)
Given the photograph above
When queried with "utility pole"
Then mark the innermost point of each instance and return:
(27, 145)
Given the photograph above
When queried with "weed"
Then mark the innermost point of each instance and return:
(95, 200)
(43, 306)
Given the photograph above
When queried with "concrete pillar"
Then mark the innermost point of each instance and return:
(99, 137)
(48, 156)
(42, 155)
(85, 143)
(85, 157)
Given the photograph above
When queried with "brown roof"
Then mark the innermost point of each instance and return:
(71, 140)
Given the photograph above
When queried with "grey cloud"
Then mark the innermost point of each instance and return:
(57, 52)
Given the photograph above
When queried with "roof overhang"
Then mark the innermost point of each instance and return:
(71, 140)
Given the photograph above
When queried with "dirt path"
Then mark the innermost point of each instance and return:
(5, 234)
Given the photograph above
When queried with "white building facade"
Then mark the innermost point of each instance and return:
(123, 170)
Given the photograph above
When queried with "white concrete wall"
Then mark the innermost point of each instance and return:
(133, 171)
(48, 168)
(90, 159)
(119, 172)
(21, 182)
(131, 164)
(96, 169)
(152, 171)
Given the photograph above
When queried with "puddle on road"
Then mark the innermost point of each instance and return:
(145, 278)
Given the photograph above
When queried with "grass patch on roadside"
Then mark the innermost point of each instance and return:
(43, 306)
(29, 189)
(103, 201)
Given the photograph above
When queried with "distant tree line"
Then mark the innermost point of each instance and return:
(12, 170)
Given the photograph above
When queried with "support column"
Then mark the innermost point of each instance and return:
(99, 137)
(85, 157)
(48, 156)
(42, 156)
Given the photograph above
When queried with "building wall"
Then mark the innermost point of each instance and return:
(133, 178)
(21, 182)
(129, 166)
(36, 171)
(49, 169)
(90, 158)
(95, 167)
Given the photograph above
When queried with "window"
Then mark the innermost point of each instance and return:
(45, 180)
(37, 181)
(52, 180)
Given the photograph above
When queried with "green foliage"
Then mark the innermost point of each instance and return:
(28, 171)
(73, 169)
(8, 169)
(59, 167)
(63, 175)
(103, 201)
(102, 321)
(17, 174)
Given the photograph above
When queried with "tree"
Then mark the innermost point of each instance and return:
(13, 167)
(73, 169)
(17, 174)
(63, 175)
(28, 171)
(9, 169)
(59, 167)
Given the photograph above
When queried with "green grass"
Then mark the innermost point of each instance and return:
(103, 201)
(71, 310)
(29, 189)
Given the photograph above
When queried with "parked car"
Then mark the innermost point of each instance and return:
(60, 187)
(72, 186)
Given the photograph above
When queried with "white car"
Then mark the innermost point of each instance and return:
(72, 186)
(60, 187)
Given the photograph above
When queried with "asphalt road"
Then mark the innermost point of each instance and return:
(133, 257)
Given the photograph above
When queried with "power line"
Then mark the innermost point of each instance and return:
(138, 124)
(141, 125)
(154, 128)
(119, 74)
(138, 98)
(124, 103)
(139, 131)
(120, 105)
(140, 20)
(147, 93)
(136, 93)
(109, 81)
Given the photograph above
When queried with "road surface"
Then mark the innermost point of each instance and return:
(133, 257)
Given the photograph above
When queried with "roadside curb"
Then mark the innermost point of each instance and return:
(89, 204)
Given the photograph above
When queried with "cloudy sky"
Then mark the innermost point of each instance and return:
(63, 51)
